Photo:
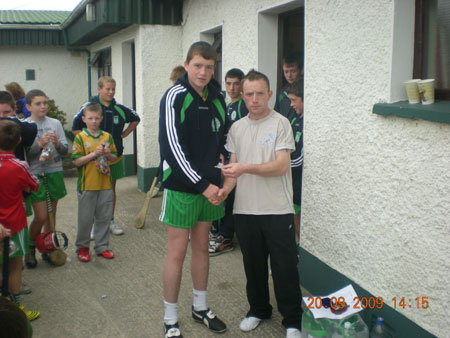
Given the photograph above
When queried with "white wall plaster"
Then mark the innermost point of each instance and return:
(376, 189)
(62, 75)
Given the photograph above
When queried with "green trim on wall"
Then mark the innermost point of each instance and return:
(145, 178)
(114, 15)
(320, 279)
(437, 112)
(128, 164)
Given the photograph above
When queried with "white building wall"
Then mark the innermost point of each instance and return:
(62, 75)
(375, 190)
(157, 52)
(120, 70)
(247, 31)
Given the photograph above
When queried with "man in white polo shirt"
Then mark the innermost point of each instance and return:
(260, 145)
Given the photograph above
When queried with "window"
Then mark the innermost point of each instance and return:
(290, 38)
(432, 44)
(214, 37)
(30, 75)
(102, 60)
(217, 45)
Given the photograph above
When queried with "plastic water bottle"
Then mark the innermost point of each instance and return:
(379, 330)
(314, 328)
(360, 327)
(349, 331)
(353, 326)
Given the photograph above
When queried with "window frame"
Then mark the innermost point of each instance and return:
(440, 93)
(283, 48)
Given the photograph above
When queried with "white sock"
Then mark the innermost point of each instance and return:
(199, 300)
(170, 313)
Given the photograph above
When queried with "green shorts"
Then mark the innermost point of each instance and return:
(184, 210)
(20, 240)
(56, 188)
(297, 209)
(28, 207)
(117, 170)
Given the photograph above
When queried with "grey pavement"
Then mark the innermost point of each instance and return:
(123, 297)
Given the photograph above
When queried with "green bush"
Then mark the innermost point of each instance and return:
(53, 111)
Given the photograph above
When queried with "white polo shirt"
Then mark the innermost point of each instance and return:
(255, 142)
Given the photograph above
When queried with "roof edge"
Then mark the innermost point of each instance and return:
(30, 26)
(77, 11)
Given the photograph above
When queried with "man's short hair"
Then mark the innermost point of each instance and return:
(254, 75)
(293, 59)
(33, 93)
(234, 73)
(9, 135)
(13, 322)
(105, 79)
(93, 107)
(202, 48)
(176, 73)
(295, 88)
(6, 98)
(15, 89)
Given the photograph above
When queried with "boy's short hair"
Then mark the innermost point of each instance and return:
(105, 79)
(93, 107)
(235, 73)
(295, 88)
(33, 93)
(15, 89)
(13, 322)
(293, 59)
(176, 73)
(254, 75)
(9, 135)
(6, 98)
(202, 48)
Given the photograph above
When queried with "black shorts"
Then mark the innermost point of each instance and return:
(297, 184)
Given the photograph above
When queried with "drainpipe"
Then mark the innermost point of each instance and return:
(74, 50)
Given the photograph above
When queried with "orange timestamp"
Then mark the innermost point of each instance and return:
(339, 303)
(418, 302)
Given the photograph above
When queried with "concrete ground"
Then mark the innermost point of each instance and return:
(123, 297)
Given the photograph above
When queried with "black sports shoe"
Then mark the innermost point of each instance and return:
(172, 331)
(220, 246)
(30, 258)
(211, 321)
(45, 257)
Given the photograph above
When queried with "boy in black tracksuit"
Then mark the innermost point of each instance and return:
(191, 136)
(222, 232)
(292, 72)
(194, 121)
(294, 92)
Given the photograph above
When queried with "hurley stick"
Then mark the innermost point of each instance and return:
(139, 220)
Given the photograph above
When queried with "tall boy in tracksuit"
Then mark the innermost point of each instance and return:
(191, 135)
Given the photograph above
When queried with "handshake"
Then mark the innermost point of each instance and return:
(215, 195)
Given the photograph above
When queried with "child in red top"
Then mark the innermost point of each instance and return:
(15, 178)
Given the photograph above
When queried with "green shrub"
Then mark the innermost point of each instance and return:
(53, 111)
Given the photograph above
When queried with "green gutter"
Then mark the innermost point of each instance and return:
(66, 42)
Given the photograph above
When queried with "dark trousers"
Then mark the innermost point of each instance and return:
(226, 224)
(261, 237)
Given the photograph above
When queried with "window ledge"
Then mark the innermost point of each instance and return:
(437, 112)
